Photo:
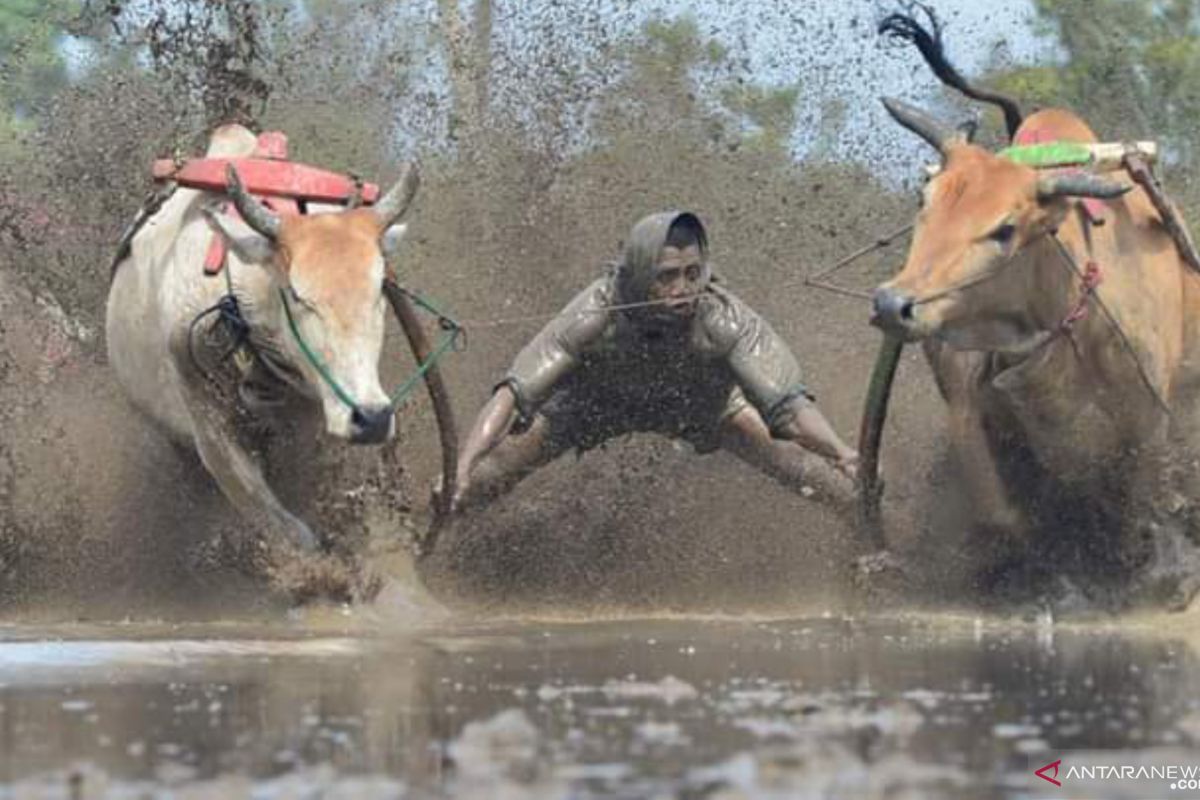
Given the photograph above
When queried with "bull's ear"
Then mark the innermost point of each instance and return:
(390, 241)
(251, 245)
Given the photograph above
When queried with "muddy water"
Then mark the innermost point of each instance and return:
(812, 707)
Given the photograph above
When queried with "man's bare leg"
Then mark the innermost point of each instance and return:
(746, 436)
(507, 464)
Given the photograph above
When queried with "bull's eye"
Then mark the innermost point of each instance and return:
(1003, 234)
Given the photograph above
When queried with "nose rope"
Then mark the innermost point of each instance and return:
(452, 330)
(991, 274)
(315, 360)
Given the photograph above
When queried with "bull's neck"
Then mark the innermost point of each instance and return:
(1052, 289)
(261, 305)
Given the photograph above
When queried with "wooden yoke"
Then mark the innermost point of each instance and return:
(283, 186)
(1138, 168)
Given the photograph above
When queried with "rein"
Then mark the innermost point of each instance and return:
(1073, 267)
(991, 274)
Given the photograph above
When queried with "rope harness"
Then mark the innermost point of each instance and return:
(229, 315)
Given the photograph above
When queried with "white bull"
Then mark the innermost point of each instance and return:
(323, 270)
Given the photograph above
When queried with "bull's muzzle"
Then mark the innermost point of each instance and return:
(892, 310)
(371, 424)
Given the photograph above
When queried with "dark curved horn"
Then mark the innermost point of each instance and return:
(1079, 184)
(904, 28)
(393, 204)
(256, 215)
(938, 134)
(967, 129)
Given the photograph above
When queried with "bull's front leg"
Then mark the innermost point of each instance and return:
(237, 475)
(960, 378)
(992, 508)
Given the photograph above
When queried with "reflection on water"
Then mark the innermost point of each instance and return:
(633, 708)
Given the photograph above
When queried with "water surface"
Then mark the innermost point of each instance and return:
(725, 708)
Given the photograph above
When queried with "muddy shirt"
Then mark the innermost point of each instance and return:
(619, 372)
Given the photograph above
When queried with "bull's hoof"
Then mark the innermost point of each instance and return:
(301, 537)
(881, 580)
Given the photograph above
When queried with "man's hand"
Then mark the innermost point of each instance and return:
(437, 490)
(847, 464)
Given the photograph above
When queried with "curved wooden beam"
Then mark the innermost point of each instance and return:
(442, 410)
(870, 437)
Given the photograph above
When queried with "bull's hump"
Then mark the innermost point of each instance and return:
(231, 141)
(1053, 124)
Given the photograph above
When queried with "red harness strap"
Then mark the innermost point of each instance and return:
(1092, 277)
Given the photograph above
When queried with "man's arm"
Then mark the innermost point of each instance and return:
(535, 372)
(806, 426)
(770, 376)
(494, 422)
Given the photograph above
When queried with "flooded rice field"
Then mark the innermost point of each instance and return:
(823, 706)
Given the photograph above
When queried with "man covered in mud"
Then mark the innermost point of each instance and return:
(656, 346)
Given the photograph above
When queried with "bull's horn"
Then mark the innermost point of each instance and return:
(393, 204)
(938, 134)
(1079, 184)
(256, 215)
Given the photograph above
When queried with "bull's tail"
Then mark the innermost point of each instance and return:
(904, 28)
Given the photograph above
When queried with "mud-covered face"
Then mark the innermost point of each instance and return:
(679, 276)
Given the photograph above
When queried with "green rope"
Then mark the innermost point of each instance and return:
(407, 387)
(314, 359)
(452, 331)
(1049, 154)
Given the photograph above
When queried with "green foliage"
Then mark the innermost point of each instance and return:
(677, 80)
(771, 110)
(31, 67)
(1131, 69)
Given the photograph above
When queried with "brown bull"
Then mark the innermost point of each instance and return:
(1026, 360)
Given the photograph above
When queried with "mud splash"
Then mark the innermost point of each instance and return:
(542, 141)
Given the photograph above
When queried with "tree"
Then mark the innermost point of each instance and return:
(468, 61)
(1131, 68)
(32, 68)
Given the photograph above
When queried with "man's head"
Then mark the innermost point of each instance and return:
(666, 259)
